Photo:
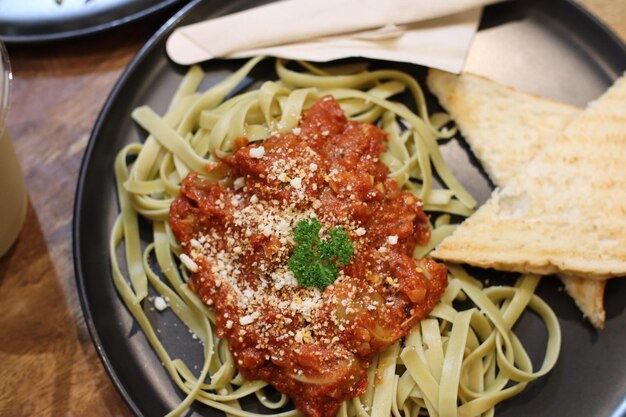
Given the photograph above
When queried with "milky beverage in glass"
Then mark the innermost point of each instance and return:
(13, 200)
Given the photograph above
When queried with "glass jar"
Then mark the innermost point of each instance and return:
(13, 197)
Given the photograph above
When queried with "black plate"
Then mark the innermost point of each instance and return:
(46, 20)
(551, 48)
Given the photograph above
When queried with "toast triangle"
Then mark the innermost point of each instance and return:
(494, 119)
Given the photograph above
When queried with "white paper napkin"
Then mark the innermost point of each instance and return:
(426, 32)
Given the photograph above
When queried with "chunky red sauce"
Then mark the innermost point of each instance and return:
(313, 345)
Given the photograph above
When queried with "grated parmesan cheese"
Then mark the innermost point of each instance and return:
(160, 303)
(249, 319)
(241, 181)
(296, 183)
(188, 262)
(298, 336)
(195, 244)
(257, 152)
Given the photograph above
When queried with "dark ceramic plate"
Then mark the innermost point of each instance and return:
(46, 20)
(550, 48)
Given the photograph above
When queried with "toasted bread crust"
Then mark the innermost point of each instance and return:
(589, 297)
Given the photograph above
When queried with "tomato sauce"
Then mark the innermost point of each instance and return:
(313, 345)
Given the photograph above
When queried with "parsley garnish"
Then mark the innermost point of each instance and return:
(315, 262)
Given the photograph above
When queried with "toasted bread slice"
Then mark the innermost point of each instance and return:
(493, 119)
(566, 212)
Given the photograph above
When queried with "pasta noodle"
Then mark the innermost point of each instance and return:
(457, 362)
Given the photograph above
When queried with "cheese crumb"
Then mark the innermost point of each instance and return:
(296, 130)
(296, 182)
(195, 244)
(360, 231)
(250, 318)
(254, 199)
(313, 166)
(240, 182)
(188, 262)
(303, 336)
(392, 240)
(159, 303)
(257, 152)
(298, 336)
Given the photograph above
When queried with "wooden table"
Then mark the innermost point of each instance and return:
(48, 365)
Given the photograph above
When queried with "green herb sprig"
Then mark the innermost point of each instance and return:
(315, 262)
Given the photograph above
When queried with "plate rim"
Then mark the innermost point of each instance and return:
(62, 35)
(77, 212)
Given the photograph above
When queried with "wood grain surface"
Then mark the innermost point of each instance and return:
(48, 365)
